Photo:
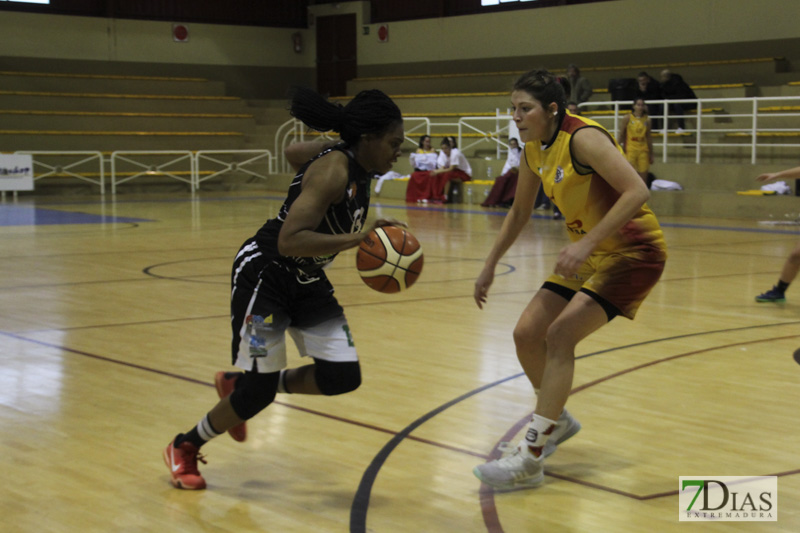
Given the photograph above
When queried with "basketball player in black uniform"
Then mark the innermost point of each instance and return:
(278, 283)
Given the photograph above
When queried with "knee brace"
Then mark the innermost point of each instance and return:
(337, 378)
(253, 393)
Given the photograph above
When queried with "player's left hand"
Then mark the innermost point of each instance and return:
(385, 222)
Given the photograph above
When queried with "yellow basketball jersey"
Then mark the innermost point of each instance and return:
(635, 135)
(583, 196)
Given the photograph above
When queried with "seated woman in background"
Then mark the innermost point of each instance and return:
(505, 185)
(453, 166)
(423, 161)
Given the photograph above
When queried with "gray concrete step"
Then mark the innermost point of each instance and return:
(699, 74)
(11, 141)
(120, 103)
(14, 81)
(724, 205)
(110, 121)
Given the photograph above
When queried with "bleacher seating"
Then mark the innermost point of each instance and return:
(760, 71)
(447, 97)
(100, 113)
(42, 111)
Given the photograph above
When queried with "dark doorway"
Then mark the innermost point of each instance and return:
(336, 53)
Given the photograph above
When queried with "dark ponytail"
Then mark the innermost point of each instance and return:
(370, 111)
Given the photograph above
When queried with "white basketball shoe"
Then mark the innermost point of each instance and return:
(518, 469)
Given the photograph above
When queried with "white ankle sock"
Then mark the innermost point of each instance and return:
(206, 430)
(281, 383)
(539, 430)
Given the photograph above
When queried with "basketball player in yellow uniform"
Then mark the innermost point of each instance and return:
(616, 256)
(636, 138)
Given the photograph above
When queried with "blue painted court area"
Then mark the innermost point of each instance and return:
(17, 215)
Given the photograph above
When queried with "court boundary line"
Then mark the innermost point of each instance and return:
(195, 381)
(281, 196)
(362, 496)
(487, 495)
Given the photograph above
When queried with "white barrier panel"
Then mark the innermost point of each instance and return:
(244, 161)
(71, 164)
(168, 163)
(16, 172)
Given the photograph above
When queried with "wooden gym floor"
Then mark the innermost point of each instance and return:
(115, 317)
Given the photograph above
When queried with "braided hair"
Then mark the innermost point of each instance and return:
(546, 88)
(370, 111)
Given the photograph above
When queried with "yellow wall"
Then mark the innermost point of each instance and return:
(612, 26)
(616, 25)
(100, 39)
(611, 33)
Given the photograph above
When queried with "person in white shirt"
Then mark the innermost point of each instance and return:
(423, 161)
(425, 157)
(453, 166)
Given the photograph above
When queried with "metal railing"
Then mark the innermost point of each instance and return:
(715, 123)
(181, 165)
(61, 164)
(248, 166)
(714, 126)
(151, 162)
(295, 131)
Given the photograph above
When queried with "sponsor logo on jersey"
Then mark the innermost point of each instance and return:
(576, 226)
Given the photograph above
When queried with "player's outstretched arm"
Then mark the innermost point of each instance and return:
(788, 174)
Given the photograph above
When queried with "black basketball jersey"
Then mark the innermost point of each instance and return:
(347, 216)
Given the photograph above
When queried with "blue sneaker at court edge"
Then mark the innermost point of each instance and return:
(772, 295)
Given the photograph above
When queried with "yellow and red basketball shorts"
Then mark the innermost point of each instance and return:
(624, 279)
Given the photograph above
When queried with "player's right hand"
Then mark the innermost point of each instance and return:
(769, 176)
(482, 285)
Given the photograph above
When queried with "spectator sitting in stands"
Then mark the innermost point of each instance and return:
(425, 157)
(649, 89)
(423, 161)
(452, 166)
(674, 88)
(505, 185)
(580, 88)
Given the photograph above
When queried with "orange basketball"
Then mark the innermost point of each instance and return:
(389, 259)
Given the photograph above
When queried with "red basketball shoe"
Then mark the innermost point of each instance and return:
(225, 383)
(182, 464)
